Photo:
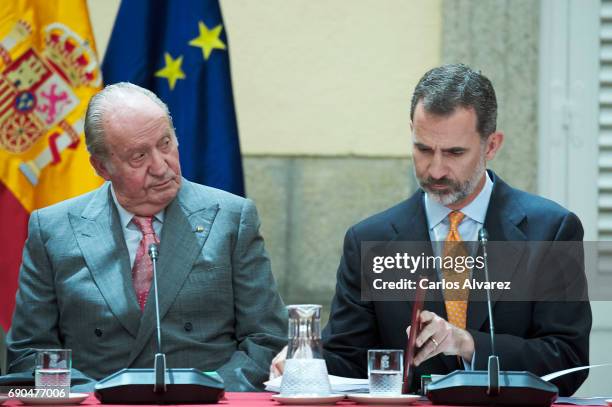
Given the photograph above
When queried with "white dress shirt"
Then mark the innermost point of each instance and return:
(131, 233)
(475, 212)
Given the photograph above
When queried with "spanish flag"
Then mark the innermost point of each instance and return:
(48, 72)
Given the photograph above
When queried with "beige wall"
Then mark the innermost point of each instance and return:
(102, 15)
(321, 78)
(329, 77)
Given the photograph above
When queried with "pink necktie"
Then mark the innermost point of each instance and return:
(142, 271)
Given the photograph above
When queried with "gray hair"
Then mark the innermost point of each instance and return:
(447, 87)
(101, 103)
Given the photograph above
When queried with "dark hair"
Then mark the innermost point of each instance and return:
(444, 88)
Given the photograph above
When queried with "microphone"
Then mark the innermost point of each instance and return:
(160, 358)
(160, 385)
(153, 253)
(493, 363)
(479, 387)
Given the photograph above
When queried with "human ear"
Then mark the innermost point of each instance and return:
(100, 167)
(494, 143)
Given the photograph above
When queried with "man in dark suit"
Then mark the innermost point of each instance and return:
(454, 132)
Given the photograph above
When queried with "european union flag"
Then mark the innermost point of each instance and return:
(179, 50)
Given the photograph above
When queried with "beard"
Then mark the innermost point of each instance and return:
(456, 191)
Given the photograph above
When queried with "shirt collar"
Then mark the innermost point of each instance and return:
(126, 216)
(475, 210)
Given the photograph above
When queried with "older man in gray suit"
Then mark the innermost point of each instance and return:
(85, 277)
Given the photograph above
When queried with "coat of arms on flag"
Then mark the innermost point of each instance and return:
(48, 72)
(36, 93)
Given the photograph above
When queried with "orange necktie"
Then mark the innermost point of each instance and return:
(455, 299)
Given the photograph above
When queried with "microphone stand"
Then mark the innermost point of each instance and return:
(491, 387)
(493, 362)
(149, 386)
(160, 357)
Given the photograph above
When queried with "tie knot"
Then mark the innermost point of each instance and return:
(145, 224)
(455, 218)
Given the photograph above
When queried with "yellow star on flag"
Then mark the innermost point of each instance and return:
(208, 39)
(172, 71)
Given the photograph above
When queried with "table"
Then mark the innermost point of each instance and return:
(238, 400)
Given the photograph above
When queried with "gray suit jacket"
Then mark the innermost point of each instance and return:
(219, 305)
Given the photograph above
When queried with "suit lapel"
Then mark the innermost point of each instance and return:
(413, 227)
(98, 233)
(184, 232)
(502, 224)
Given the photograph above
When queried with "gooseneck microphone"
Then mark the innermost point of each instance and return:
(493, 386)
(160, 385)
(493, 363)
(160, 357)
(153, 253)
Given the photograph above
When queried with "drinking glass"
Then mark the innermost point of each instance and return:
(385, 371)
(52, 371)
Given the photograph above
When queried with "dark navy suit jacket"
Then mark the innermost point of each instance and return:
(537, 336)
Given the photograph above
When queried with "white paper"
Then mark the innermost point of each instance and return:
(583, 401)
(560, 373)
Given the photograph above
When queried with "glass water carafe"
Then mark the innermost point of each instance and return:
(305, 370)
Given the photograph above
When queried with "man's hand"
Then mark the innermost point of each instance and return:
(439, 336)
(278, 364)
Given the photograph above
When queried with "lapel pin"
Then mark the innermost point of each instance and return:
(199, 229)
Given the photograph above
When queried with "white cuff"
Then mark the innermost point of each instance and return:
(467, 365)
